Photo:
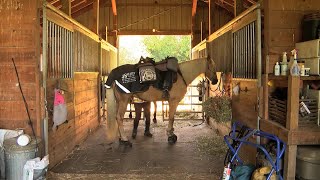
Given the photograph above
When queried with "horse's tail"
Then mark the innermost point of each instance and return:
(112, 126)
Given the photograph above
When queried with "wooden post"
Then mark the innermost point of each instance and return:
(293, 102)
(290, 162)
(238, 7)
(95, 17)
(66, 7)
(209, 15)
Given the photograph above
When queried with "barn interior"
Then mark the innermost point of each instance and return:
(56, 56)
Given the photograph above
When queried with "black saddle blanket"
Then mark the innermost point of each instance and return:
(126, 79)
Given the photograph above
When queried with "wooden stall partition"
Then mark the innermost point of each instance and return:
(75, 67)
(236, 50)
(109, 61)
(20, 42)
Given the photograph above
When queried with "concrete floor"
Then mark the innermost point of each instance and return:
(149, 158)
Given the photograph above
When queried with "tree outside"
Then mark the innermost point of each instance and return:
(158, 47)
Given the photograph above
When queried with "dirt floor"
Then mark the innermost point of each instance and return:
(194, 156)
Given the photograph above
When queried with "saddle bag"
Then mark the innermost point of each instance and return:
(147, 72)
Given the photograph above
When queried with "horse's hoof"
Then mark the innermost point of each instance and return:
(155, 120)
(125, 143)
(134, 134)
(147, 134)
(172, 139)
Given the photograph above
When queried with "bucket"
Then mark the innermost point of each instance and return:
(16, 157)
(308, 162)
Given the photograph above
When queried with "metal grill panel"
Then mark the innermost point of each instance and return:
(60, 60)
(244, 53)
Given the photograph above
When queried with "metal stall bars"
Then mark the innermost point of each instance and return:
(60, 52)
(192, 107)
(244, 53)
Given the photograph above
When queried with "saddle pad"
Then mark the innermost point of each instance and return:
(126, 79)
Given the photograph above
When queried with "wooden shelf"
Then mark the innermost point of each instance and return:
(285, 78)
(306, 134)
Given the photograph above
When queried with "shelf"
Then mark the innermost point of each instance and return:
(285, 78)
(306, 134)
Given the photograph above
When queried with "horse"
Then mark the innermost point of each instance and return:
(118, 101)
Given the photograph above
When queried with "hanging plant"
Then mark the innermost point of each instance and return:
(218, 108)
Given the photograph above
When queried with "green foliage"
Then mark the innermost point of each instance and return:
(218, 108)
(159, 47)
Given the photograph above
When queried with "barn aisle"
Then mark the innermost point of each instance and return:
(150, 158)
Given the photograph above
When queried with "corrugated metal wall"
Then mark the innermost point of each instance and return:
(86, 56)
(220, 50)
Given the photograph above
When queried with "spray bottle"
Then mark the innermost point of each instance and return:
(226, 172)
(294, 69)
(284, 65)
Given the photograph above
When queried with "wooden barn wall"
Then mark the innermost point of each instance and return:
(86, 56)
(108, 61)
(219, 17)
(20, 40)
(81, 95)
(283, 25)
(141, 16)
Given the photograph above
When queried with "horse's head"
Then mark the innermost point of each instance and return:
(210, 71)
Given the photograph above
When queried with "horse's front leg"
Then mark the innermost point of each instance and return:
(172, 138)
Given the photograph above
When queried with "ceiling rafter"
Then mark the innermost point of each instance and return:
(114, 7)
(194, 7)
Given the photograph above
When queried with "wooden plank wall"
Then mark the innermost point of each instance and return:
(283, 25)
(20, 40)
(81, 95)
(244, 109)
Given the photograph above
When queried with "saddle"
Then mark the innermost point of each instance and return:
(147, 69)
(134, 78)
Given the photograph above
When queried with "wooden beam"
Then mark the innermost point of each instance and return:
(95, 17)
(224, 6)
(290, 162)
(147, 4)
(81, 6)
(293, 103)
(114, 7)
(194, 7)
(238, 7)
(66, 6)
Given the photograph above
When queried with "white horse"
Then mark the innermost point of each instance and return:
(117, 101)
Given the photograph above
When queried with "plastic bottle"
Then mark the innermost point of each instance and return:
(302, 71)
(277, 69)
(226, 172)
(294, 69)
(284, 65)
